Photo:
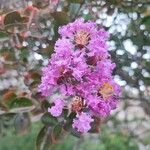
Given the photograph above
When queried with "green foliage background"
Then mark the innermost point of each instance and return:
(107, 140)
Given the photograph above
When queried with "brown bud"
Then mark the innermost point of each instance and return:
(77, 104)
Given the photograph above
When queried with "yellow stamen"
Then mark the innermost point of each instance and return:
(106, 90)
(82, 38)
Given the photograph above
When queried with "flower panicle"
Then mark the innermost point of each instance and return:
(81, 71)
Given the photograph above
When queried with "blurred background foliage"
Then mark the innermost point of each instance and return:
(108, 140)
(28, 31)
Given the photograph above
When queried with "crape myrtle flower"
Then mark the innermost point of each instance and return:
(80, 70)
(56, 110)
(82, 122)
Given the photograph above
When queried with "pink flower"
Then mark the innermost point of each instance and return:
(56, 110)
(80, 66)
(82, 122)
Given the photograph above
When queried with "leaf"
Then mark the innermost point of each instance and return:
(32, 79)
(137, 40)
(45, 105)
(56, 26)
(3, 35)
(43, 140)
(19, 102)
(49, 119)
(12, 17)
(65, 113)
(35, 75)
(56, 133)
(76, 133)
(146, 20)
(24, 54)
(8, 96)
(60, 17)
(68, 125)
(14, 22)
(147, 80)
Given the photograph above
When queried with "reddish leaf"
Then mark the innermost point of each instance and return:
(8, 96)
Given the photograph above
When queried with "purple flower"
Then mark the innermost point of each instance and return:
(104, 68)
(82, 122)
(56, 110)
(98, 106)
(79, 25)
(81, 67)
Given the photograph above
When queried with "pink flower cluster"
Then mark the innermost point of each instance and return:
(80, 70)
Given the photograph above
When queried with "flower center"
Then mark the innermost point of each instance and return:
(77, 104)
(82, 38)
(106, 90)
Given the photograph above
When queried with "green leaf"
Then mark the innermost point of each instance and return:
(76, 133)
(146, 21)
(49, 119)
(57, 131)
(19, 102)
(45, 105)
(56, 26)
(14, 20)
(65, 113)
(43, 141)
(68, 125)
(3, 35)
(60, 17)
(137, 40)
(147, 80)
(12, 17)
(24, 54)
